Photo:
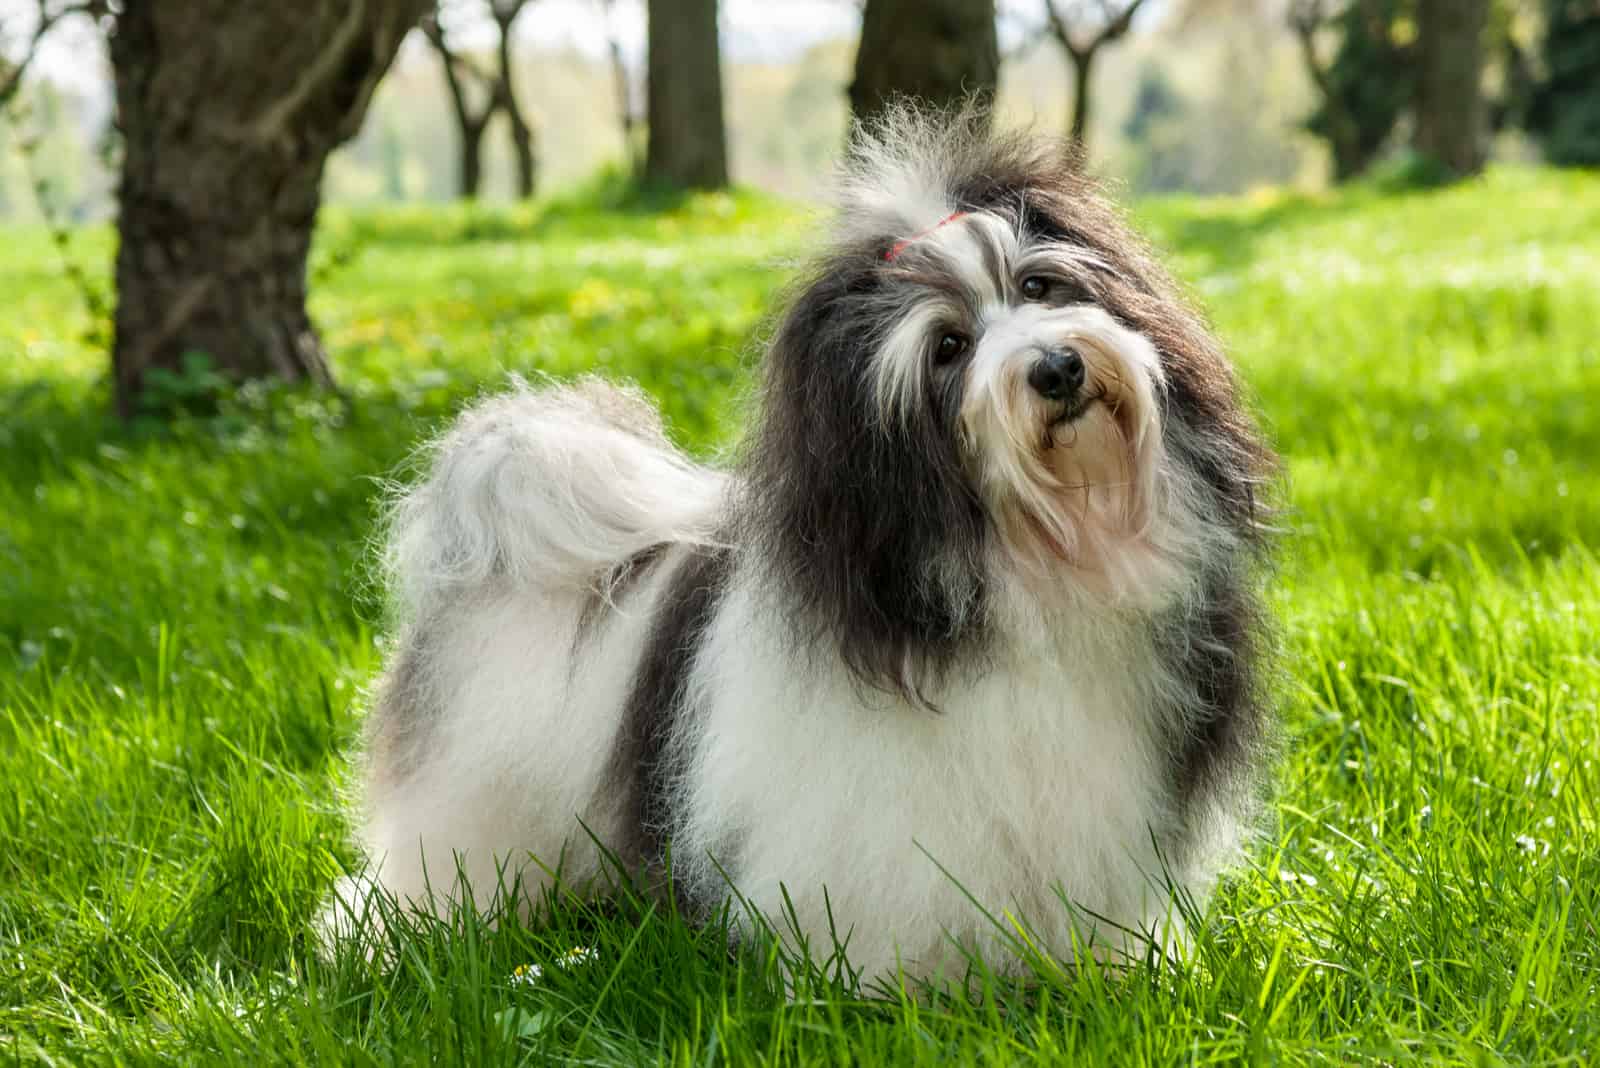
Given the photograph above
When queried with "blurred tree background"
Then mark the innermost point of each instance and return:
(1209, 96)
(224, 130)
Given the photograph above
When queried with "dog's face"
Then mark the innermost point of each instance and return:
(990, 333)
(987, 378)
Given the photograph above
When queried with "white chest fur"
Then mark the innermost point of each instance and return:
(1037, 782)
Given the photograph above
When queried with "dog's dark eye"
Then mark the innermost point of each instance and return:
(1034, 287)
(950, 346)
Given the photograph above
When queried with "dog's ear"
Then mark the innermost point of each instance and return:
(870, 527)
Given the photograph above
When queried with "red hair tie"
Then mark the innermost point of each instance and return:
(900, 246)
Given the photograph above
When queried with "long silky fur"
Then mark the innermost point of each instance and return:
(851, 651)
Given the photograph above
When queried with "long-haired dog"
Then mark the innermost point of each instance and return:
(974, 617)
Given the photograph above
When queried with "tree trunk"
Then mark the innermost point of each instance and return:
(1451, 119)
(937, 52)
(527, 158)
(522, 140)
(1349, 161)
(625, 109)
(687, 141)
(1082, 64)
(469, 168)
(228, 112)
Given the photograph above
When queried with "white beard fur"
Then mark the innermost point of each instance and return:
(491, 737)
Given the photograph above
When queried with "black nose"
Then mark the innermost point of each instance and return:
(1058, 374)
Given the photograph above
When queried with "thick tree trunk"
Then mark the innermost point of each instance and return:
(1451, 117)
(228, 112)
(937, 52)
(1082, 65)
(687, 140)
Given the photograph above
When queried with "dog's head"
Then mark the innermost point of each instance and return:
(987, 373)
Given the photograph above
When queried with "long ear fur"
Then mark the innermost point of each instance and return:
(870, 527)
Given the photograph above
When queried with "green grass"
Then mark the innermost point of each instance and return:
(185, 626)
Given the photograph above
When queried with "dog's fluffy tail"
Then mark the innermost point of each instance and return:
(552, 487)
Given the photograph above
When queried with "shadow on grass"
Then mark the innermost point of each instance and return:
(607, 204)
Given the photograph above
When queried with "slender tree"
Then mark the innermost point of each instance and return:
(937, 52)
(478, 92)
(1082, 28)
(45, 15)
(622, 80)
(687, 143)
(472, 101)
(505, 13)
(228, 112)
(1451, 114)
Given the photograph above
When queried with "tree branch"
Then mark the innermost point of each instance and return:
(12, 81)
(1119, 26)
(1114, 21)
(453, 67)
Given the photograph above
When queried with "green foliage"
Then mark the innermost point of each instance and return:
(1565, 113)
(186, 622)
(1369, 84)
(194, 388)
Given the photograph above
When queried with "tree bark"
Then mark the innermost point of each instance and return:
(470, 122)
(522, 146)
(687, 139)
(469, 167)
(228, 112)
(1082, 64)
(522, 137)
(1451, 118)
(937, 52)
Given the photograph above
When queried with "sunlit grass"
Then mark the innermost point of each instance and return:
(185, 625)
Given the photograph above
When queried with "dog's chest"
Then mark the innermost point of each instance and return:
(1039, 773)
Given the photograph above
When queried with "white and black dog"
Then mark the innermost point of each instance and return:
(976, 611)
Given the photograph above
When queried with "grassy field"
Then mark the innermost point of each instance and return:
(185, 625)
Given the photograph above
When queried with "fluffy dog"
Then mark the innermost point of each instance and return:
(975, 612)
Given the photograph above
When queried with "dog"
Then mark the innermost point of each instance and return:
(971, 627)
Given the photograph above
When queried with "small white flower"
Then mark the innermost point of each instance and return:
(528, 974)
(577, 955)
(1529, 844)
